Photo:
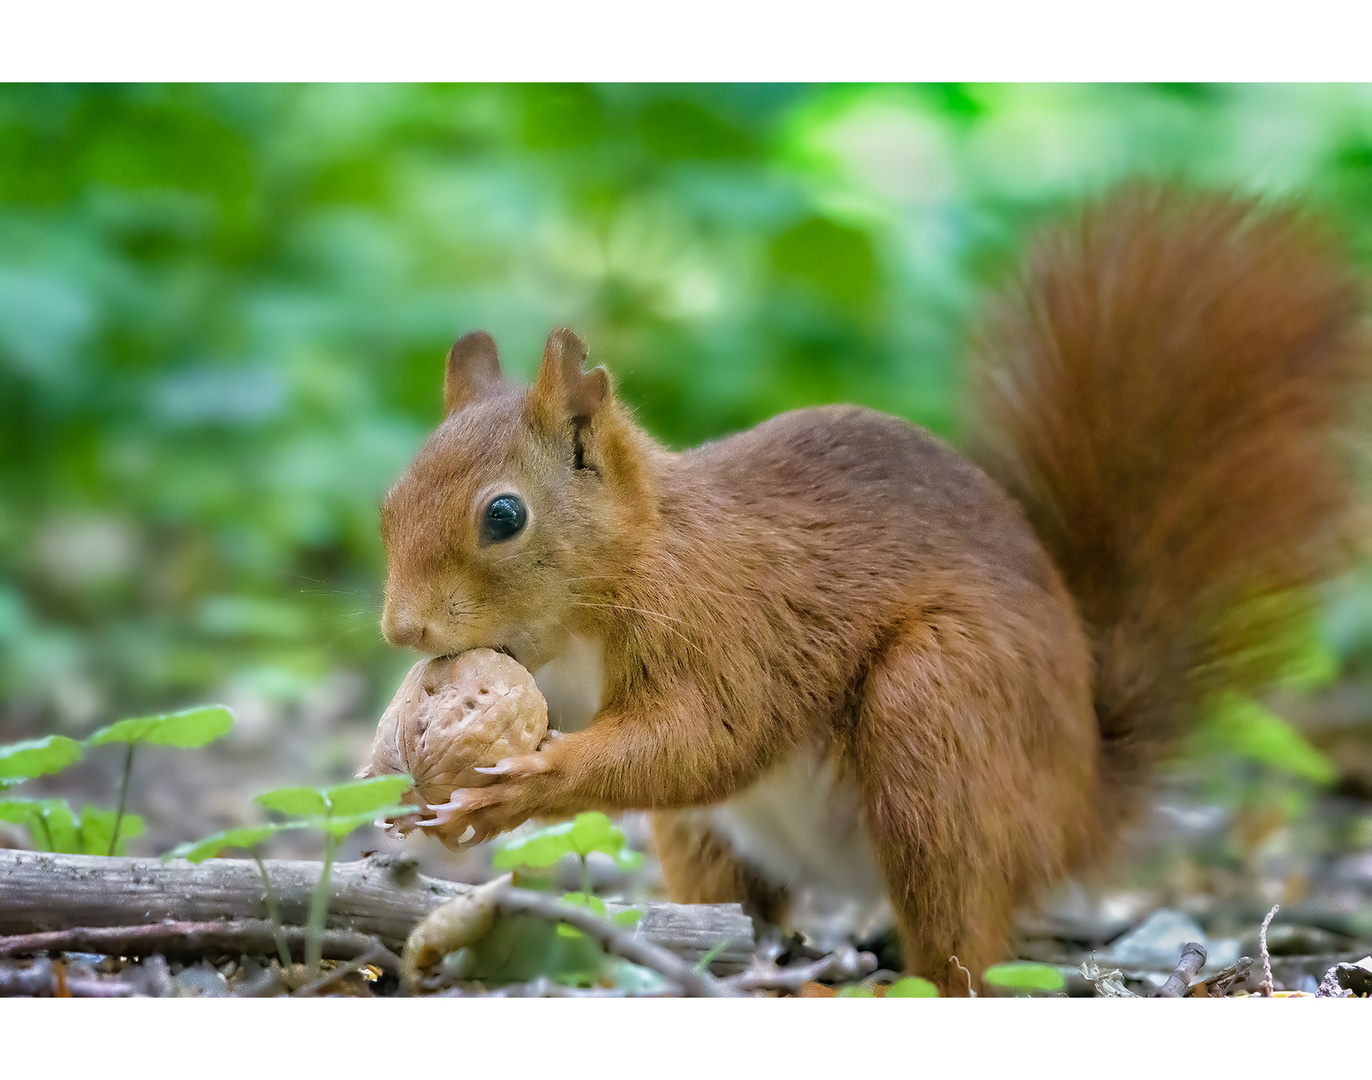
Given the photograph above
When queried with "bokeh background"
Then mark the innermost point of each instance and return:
(223, 313)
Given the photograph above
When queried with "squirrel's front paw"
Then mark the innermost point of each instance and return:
(474, 815)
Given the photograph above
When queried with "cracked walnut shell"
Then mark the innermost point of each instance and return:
(454, 715)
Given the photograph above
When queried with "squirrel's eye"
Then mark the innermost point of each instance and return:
(505, 515)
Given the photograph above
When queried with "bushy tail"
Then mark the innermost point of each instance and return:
(1169, 392)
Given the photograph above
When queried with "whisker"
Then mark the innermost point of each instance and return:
(642, 611)
(694, 587)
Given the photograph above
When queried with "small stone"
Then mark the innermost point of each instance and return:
(1156, 945)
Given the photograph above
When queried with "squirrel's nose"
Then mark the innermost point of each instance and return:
(401, 628)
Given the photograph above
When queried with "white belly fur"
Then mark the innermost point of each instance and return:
(802, 826)
(573, 683)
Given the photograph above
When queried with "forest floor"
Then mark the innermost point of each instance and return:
(1194, 870)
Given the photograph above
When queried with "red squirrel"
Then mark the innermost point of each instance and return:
(858, 679)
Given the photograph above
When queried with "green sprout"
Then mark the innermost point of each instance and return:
(188, 730)
(542, 849)
(336, 811)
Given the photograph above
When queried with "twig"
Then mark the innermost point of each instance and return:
(844, 963)
(1265, 987)
(40, 980)
(192, 938)
(342, 972)
(1218, 983)
(628, 944)
(1179, 982)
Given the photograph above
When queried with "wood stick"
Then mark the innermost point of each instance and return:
(1178, 983)
(380, 896)
(41, 979)
(844, 963)
(192, 939)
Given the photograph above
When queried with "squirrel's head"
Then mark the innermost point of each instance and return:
(519, 510)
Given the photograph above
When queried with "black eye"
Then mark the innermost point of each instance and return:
(505, 515)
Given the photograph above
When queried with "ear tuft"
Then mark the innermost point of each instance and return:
(473, 370)
(562, 390)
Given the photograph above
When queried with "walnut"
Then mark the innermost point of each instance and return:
(454, 715)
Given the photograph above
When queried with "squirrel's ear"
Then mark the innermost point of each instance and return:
(473, 369)
(562, 390)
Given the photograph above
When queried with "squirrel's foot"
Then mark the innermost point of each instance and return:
(478, 814)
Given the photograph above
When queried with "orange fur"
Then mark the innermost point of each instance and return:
(994, 673)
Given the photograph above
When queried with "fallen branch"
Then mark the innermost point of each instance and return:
(1178, 984)
(380, 897)
(192, 939)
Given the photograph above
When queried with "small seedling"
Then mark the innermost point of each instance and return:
(336, 811)
(188, 729)
(54, 826)
(585, 833)
(544, 848)
(582, 835)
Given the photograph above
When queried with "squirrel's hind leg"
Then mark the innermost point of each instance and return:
(698, 867)
(969, 773)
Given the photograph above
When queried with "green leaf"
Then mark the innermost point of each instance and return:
(38, 757)
(300, 801)
(628, 859)
(340, 826)
(857, 990)
(20, 811)
(1314, 665)
(1022, 975)
(97, 830)
(1242, 726)
(540, 848)
(913, 986)
(368, 799)
(248, 837)
(362, 796)
(589, 901)
(51, 824)
(627, 917)
(585, 833)
(186, 729)
(593, 831)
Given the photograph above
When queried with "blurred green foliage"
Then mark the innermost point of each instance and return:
(223, 311)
